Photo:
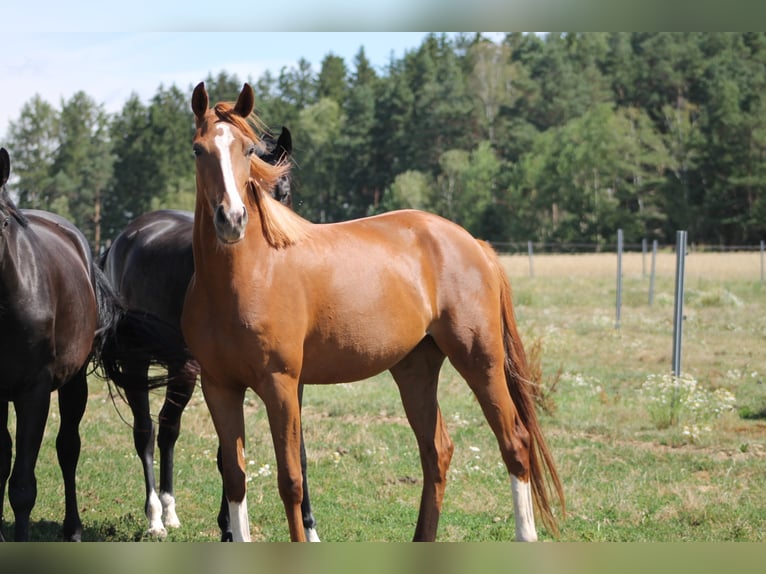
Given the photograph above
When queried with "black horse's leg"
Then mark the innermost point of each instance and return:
(137, 396)
(223, 514)
(73, 397)
(177, 396)
(6, 447)
(31, 413)
(309, 523)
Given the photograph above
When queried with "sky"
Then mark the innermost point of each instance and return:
(110, 49)
(109, 67)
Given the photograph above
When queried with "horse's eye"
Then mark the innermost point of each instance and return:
(251, 150)
(197, 150)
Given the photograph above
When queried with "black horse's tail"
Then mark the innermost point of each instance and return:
(127, 336)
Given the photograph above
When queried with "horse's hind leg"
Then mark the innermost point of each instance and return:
(6, 447)
(417, 377)
(177, 396)
(137, 395)
(31, 414)
(487, 380)
(73, 397)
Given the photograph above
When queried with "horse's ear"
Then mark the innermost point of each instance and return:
(285, 141)
(199, 101)
(5, 166)
(245, 102)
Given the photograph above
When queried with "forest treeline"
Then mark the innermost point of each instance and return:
(562, 137)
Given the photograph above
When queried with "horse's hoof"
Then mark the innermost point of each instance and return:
(157, 532)
(72, 533)
(311, 535)
(76, 536)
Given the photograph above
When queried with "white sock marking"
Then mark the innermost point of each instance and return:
(523, 510)
(169, 516)
(154, 514)
(240, 523)
(311, 535)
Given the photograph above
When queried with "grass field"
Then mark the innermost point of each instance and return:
(633, 468)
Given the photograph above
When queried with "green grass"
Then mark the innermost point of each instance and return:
(624, 478)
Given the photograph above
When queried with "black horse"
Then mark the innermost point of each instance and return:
(150, 264)
(54, 305)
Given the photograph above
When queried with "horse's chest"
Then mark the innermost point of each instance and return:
(227, 339)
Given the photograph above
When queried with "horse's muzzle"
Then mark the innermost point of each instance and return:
(230, 224)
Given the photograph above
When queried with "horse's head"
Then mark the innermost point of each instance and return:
(276, 152)
(5, 166)
(8, 210)
(227, 162)
(5, 172)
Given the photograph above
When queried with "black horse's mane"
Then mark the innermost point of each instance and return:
(8, 206)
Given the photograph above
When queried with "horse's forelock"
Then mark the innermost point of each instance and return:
(266, 174)
(225, 112)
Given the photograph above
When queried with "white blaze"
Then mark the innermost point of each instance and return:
(223, 142)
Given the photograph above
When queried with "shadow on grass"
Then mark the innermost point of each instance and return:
(121, 529)
(753, 415)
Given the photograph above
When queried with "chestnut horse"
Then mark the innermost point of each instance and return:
(276, 301)
(149, 264)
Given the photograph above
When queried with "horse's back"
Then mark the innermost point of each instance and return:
(60, 237)
(150, 262)
(390, 279)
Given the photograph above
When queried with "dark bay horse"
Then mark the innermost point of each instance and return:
(276, 301)
(52, 307)
(150, 265)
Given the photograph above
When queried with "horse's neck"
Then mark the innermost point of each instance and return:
(229, 265)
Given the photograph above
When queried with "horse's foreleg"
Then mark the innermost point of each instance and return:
(177, 397)
(225, 406)
(31, 414)
(223, 514)
(309, 523)
(73, 397)
(280, 395)
(6, 447)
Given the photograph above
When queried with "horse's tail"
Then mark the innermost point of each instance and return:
(522, 392)
(125, 336)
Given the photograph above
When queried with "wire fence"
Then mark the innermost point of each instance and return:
(681, 249)
(518, 247)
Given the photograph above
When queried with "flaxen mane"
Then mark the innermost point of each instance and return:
(281, 226)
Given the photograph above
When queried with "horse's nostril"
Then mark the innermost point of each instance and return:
(220, 216)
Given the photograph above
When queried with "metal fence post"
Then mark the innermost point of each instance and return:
(678, 310)
(619, 277)
(531, 259)
(652, 272)
(643, 257)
